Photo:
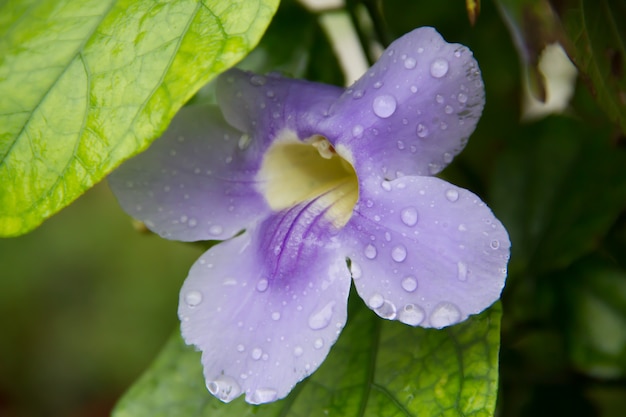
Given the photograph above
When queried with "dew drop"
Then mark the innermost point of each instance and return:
(422, 131)
(240, 348)
(264, 395)
(386, 186)
(376, 301)
(409, 216)
(224, 387)
(387, 310)
(462, 98)
(318, 343)
(257, 80)
(384, 105)
(411, 315)
(495, 244)
(356, 271)
(370, 251)
(398, 253)
(192, 223)
(216, 229)
(262, 285)
(439, 98)
(410, 63)
(413, 89)
(357, 94)
(244, 141)
(409, 284)
(193, 298)
(400, 145)
(298, 351)
(445, 314)
(447, 157)
(275, 316)
(439, 68)
(448, 109)
(461, 271)
(321, 318)
(357, 131)
(452, 195)
(256, 354)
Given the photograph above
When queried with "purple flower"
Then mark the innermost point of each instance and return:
(310, 186)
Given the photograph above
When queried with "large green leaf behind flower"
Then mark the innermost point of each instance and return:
(377, 369)
(85, 84)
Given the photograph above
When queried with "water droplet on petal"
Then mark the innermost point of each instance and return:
(398, 253)
(409, 216)
(447, 157)
(439, 68)
(241, 348)
(375, 301)
(357, 131)
(244, 141)
(439, 98)
(321, 318)
(298, 351)
(461, 270)
(384, 105)
(193, 298)
(462, 98)
(275, 316)
(400, 145)
(411, 315)
(370, 251)
(448, 109)
(257, 80)
(495, 244)
(264, 395)
(256, 354)
(356, 271)
(192, 222)
(318, 343)
(224, 387)
(422, 131)
(387, 310)
(262, 285)
(445, 314)
(216, 230)
(409, 284)
(452, 195)
(410, 63)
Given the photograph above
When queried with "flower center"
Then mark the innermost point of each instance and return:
(294, 171)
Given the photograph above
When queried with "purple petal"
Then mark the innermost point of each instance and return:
(196, 182)
(425, 252)
(265, 105)
(265, 307)
(413, 111)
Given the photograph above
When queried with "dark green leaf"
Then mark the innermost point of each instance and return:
(597, 40)
(88, 83)
(377, 368)
(558, 188)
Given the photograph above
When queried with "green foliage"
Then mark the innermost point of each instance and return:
(596, 31)
(87, 84)
(377, 368)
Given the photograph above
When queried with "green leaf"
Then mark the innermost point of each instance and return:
(597, 44)
(88, 83)
(377, 368)
(596, 307)
(558, 188)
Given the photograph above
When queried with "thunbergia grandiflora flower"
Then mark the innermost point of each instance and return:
(312, 186)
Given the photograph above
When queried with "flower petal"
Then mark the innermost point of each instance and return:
(264, 105)
(265, 307)
(196, 182)
(413, 111)
(425, 252)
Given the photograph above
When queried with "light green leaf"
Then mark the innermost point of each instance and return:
(88, 83)
(377, 368)
(597, 35)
